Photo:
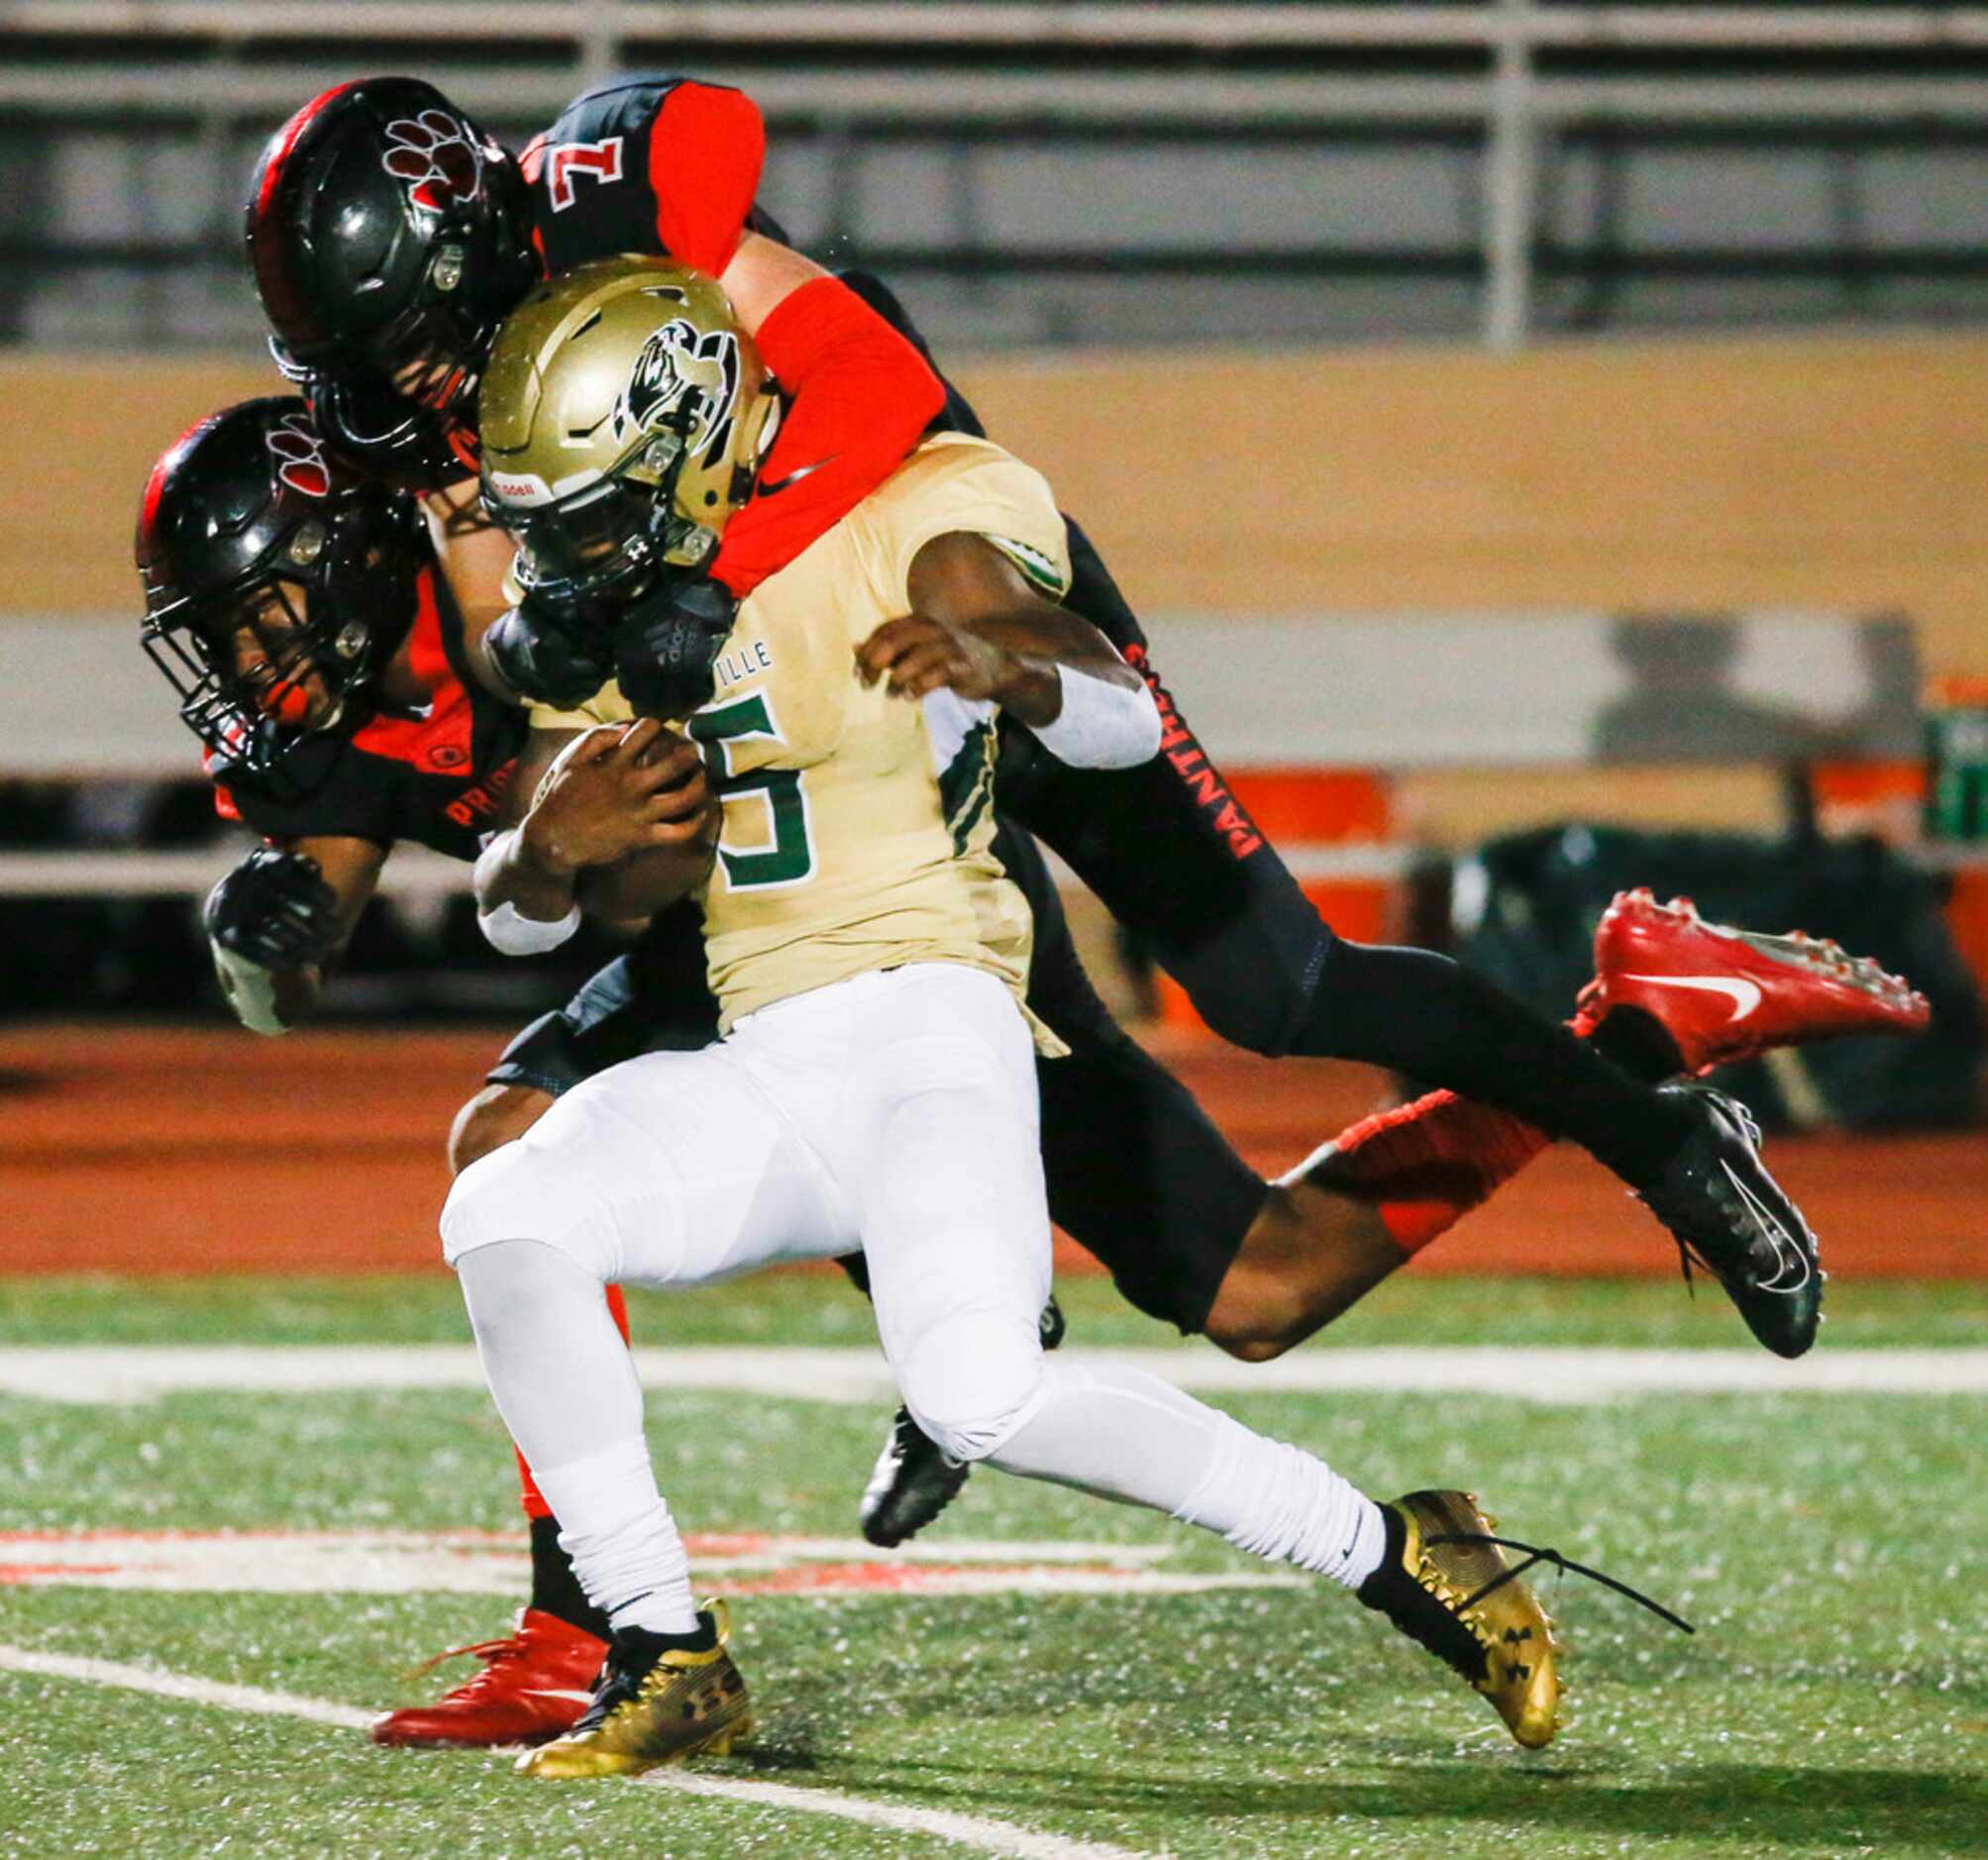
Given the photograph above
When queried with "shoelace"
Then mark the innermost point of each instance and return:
(1535, 1553)
(1737, 1109)
(615, 1690)
(510, 1648)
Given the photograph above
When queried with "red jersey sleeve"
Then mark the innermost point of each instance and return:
(861, 397)
(706, 148)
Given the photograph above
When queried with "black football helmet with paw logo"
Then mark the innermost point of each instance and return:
(390, 236)
(278, 580)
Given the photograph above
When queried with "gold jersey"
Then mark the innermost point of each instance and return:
(858, 826)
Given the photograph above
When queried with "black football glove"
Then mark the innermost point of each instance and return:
(668, 643)
(274, 909)
(552, 658)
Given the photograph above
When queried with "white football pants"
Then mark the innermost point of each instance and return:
(896, 1112)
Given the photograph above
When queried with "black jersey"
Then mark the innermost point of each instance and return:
(436, 778)
(649, 164)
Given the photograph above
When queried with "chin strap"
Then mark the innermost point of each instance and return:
(1535, 1554)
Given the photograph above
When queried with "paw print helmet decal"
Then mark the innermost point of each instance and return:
(279, 582)
(389, 235)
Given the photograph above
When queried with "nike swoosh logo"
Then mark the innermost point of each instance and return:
(767, 486)
(557, 1692)
(1788, 1256)
(1743, 994)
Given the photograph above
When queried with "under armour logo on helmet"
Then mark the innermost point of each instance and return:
(437, 156)
(299, 454)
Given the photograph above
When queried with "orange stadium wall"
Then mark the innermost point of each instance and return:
(1825, 477)
(1839, 475)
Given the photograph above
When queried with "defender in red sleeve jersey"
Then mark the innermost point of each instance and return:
(298, 611)
(319, 658)
(388, 235)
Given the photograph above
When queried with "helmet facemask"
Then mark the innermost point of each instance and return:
(611, 542)
(281, 632)
(363, 414)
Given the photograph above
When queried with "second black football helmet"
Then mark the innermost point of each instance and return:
(412, 447)
(278, 580)
(390, 236)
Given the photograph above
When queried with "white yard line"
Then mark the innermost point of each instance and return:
(391, 1563)
(1573, 1376)
(968, 1830)
(965, 1830)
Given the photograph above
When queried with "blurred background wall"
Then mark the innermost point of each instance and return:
(1466, 392)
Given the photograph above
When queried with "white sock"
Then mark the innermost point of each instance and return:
(1281, 1502)
(624, 1544)
(1124, 1434)
(566, 1386)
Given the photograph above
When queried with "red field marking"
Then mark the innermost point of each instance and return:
(180, 1151)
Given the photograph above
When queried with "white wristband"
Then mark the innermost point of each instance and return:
(504, 929)
(1103, 724)
(251, 990)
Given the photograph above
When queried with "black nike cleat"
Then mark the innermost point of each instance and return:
(914, 1479)
(1725, 1212)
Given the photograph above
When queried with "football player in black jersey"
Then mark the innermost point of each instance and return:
(389, 234)
(320, 658)
(296, 607)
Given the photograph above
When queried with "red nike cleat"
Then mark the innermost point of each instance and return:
(535, 1684)
(1725, 995)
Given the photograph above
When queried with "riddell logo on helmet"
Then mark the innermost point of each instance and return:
(437, 156)
(520, 488)
(300, 455)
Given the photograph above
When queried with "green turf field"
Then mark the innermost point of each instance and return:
(1833, 1553)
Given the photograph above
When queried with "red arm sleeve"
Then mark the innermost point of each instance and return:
(861, 397)
(706, 148)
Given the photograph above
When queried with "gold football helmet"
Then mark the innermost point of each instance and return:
(624, 416)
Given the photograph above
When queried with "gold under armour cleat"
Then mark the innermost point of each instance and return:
(1446, 1586)
(655, 1704)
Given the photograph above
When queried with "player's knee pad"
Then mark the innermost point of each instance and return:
(973, 1380)
(513, 1193)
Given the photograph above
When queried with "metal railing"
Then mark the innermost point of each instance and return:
(1515, 86)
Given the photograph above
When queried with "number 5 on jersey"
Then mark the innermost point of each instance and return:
(790, 857)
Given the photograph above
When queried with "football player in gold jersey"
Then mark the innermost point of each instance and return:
(876, 1084)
